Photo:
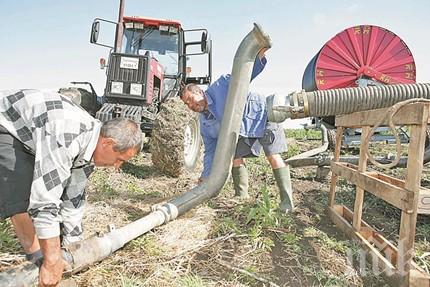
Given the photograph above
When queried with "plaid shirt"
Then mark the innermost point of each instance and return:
(62, 137)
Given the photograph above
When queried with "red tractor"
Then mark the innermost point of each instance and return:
(147, 66)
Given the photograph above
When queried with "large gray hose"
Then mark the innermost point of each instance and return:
(341, 101)
(230, 125)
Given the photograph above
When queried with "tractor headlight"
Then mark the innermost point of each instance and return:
(135, 89)
(117, 87)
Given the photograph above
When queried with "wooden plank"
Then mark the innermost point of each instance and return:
(395, 195)
(342, 224)
(391, 180)
(424, 201)
(409, 115)
(408, 221)
(418, 279)
(368, 230)
(341, 216)
(332, 193)
(359, 192)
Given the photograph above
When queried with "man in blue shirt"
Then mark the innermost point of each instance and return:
(255, 133)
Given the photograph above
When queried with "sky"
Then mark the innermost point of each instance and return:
(45, 43)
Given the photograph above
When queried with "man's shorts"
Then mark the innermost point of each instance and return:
(272, 142)
(16, 175)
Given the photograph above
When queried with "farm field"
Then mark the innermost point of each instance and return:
(228, 242)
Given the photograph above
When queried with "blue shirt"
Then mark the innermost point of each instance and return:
(253, 121)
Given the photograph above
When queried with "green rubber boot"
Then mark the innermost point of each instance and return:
(240, 181)
(283, 181)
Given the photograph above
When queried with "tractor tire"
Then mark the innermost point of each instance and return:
(175, 141)
(79, 96)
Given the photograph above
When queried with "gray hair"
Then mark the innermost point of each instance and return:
(125, 132)
(193, 88)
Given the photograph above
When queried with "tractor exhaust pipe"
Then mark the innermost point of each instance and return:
(87, 252)
(341, 101)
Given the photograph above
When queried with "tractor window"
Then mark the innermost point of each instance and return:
(161, 45)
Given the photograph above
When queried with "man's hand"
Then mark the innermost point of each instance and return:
(51, 271)
(262, 53)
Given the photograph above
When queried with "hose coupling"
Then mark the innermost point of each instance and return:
(293, 106)
(169, 210)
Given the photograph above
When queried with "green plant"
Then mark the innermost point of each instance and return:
(264, 213)
(192, 280)
(302, 134)
(312, 232)
(148, 244)
(228, 225)
(291, 240)
(8, 241)
(293, 149)
(333, 244)
(323, 278)
(130, 281)
(134, 188)
(100, 178)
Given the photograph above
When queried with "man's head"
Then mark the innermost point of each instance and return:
(120, 139)
(194, 98)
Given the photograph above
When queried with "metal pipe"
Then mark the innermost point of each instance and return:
(326, 160)
(230, 125)
(341, 101)
(85, 253)
(314, 151)
(119, 27)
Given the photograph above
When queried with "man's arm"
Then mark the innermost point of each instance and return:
(72, 208)
(51, 271)
(209, 153)
(53, 162)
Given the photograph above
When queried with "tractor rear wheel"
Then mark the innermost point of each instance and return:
(175, 141)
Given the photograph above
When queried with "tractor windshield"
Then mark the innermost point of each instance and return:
(161, 45)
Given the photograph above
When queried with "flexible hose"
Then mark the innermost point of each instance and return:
(390, 114)
(335, 102)
(348, 100)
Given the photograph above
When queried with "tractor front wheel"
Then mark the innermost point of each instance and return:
(175, 141)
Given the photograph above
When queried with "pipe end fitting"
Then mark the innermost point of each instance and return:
(169, 210)
(278, 109)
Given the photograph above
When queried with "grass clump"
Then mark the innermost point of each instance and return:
(302, 134)
(8, 241)
(192, 280)
(264, 212)
(147, 244)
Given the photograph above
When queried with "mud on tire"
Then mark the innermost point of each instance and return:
(175, 141)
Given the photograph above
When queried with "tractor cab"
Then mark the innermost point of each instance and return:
(159, 40)
(148, 64)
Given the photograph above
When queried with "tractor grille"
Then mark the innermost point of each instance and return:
(110, 111)
(125, 75)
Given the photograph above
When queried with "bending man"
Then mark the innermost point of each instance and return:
(48, 148)
(255, 133)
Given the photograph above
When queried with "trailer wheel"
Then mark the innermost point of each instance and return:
(175, 141)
